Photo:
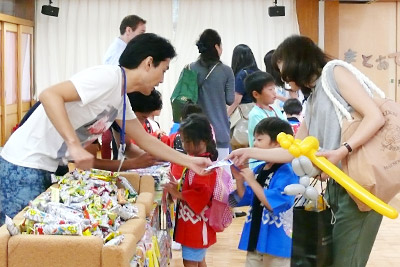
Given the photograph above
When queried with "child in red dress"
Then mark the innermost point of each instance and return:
(194, 193)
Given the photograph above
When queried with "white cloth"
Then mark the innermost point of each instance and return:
(114, 52)
(37, 144)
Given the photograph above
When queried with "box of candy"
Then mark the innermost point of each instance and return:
(92, 219)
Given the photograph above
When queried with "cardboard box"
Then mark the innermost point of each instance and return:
(72, 251)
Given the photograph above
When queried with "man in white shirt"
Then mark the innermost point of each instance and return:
(130, 27)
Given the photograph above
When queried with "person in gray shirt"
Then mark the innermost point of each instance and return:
(217, 90)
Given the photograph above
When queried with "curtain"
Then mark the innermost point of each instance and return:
(81, 34)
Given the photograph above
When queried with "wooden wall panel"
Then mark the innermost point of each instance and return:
(307, 16)
(331, 28)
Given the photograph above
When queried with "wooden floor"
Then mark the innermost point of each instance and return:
(386, 251)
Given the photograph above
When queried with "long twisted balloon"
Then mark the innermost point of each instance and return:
(309, 146)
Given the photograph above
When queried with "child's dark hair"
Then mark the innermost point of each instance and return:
(145, 103)
(271, 70)
(272, 126)
(190, 108)
(197, 128)
(146, 45)
(257, 81)
(292, 106)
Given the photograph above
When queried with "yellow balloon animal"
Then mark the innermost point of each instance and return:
(309, 146)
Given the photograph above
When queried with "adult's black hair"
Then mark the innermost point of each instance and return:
(242, 58)
(272, 126)
(292, 106)
(145, 103)
(206, 46)
(146, 45)
(257, 81)
(197, 128)
(271, 70)
(132, 21)
(190, 108)
(302, 61)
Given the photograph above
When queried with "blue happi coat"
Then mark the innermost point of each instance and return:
(272, 238)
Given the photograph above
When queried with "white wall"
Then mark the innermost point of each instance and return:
(80, 35)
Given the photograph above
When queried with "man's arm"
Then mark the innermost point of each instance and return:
(53, 100)
(160, 150)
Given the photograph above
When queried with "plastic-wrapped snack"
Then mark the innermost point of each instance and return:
(80, 198)
(36, 215)
(110, 236)
(26, 226)
(128, 211)
(57, 229)
(64, 212)
(115, 241)
(11, 227)
(125, 183)
(103, 175)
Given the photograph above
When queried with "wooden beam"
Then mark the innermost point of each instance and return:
(15, 20)
(307, 16)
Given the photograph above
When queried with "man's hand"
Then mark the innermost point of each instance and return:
(82, 158)
(143, 161)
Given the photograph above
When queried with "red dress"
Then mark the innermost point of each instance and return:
(192, 228)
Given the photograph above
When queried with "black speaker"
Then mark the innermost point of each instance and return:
(276, 11)
(50, 10)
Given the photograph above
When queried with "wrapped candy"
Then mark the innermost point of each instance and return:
(125, 183)
(115, 241)
(57, 229)
(11, 227)
(128, 211)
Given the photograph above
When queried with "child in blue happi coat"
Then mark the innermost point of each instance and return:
(263, 235)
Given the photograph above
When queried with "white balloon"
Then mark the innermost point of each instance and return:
(306, 164)
(311, 193)
(304, 180)
(294, 189)
(298, 170)
(314, 172)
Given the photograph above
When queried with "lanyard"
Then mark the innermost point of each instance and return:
(266, 113)
(121, 150)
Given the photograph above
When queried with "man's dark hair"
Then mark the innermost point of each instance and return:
(145, 103)
(257, 81)
(272, 126)
(146, 45)
(132, 21)
(292, 106)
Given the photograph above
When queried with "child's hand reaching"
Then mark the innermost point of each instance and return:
(248, 175)
(237, 174)
(172, 188)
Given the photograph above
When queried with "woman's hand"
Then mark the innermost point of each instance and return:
(239, 156)
(334, 156)
(198, 165)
